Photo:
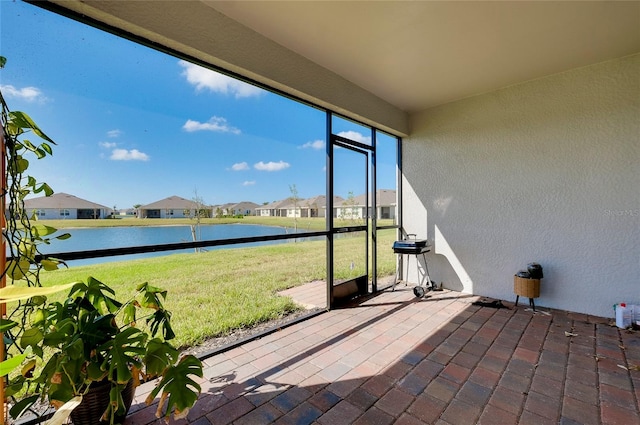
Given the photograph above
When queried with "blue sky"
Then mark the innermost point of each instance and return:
(133, 125)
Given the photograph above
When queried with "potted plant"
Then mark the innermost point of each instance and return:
(91, 344)
(60, 352)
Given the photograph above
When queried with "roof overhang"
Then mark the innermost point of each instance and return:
(377, 62)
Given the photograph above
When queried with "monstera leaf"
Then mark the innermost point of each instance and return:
(96, 330)
(151, 296)
(176, 385)
(124, 350)
(161, 319)
(98, 294)
(160, 355)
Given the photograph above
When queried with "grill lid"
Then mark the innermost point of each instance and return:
(410, 243)
(412, 246)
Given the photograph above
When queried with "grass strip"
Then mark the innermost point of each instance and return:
(213, 293)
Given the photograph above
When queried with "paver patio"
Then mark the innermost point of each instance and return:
(439, 360)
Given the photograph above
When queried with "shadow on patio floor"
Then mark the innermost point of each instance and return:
(398, 359)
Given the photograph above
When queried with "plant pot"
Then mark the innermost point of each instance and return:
(96, 401)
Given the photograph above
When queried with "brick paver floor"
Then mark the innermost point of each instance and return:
(437, 360)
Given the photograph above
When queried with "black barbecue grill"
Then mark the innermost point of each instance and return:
(412, 247)
(415, 247)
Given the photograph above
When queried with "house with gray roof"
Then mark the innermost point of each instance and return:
(64, 206)
(174, 207)
(312, 207)
(274, 209)
(222, 210)
(354, 208)
(244, 208)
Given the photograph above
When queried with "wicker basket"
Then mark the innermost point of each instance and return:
(95, 402)
(525, 287)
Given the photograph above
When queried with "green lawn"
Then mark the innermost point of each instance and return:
(215, 292)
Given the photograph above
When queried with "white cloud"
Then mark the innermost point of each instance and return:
(249, 183)
(128, 155)
(108, 145)
(240, 166)
(316, 144)
(271, 166)
(29, 94)
(218, 124)
(203, 78)
(355, 136)
(114, 133)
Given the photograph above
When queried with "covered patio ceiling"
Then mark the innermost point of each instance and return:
(379, 61)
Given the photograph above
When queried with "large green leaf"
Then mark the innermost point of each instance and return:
(43, 230)
(160, 355)
(49, 265)
(151, 296)
(7, 366)
(60, 332)
(176, 384)
(161, 318)
(129, 314)
(75, 350)
(20, 165)
(44, 187)
(97, 330)
(17, 270)
(95, 372)
(31, 337)
(98, 294)
(6, 324)
(24, 121)
(15, 385)
(124, 350)
(47, 148)
(16, 293)
(20, 407)
(27, 248)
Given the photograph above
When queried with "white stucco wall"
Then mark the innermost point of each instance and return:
(546, 171)
(54, 213)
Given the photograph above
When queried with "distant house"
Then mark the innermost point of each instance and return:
(274, 209)
(311, 207)
(244, 208)
(354, 208)
(65, 206)
(265, 210)
(127, 212)
(222, 210)
(173, 207)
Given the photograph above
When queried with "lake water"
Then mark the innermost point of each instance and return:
(88, 239)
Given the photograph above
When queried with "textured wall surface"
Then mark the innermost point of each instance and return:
(546, 171)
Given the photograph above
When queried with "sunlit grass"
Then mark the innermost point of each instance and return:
(212, 293)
